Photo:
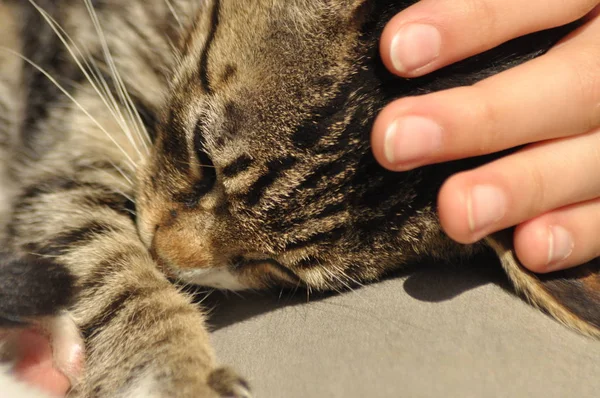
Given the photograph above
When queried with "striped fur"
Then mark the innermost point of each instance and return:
(232, 151)
(143, 336)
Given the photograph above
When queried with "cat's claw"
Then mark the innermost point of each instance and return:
(228, 384)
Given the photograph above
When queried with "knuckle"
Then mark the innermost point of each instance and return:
(586, 82)
(571, 11)
(485, 117)
(537, 199)
(484, 13)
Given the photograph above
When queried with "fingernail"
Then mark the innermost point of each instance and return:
(415, 46)
(486, 205)
(560, 244)
(411, 139)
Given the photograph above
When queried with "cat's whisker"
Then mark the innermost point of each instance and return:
(119, 85)
(122, 92)
(122, 173)
(131, 162)
(234, 292)
(92, 74)
(116, 110)
(175, 15)
(207, 294)
(348, 277)
(129, 180)
(40, 255)
(345, 283)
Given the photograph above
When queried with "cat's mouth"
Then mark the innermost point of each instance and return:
(268, 272)
(240, 274)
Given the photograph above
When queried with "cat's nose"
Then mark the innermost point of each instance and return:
(174, 247)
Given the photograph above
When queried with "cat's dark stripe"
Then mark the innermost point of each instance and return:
(396, 214)
(214, 24)
(275, 168)
(201, 187)
(339, 144)
(330, 210)
(317, 125)
(70, 240)
(175, 146)
(148, 116)
(85, 166)
(234, 121)
(102, 271)
(136, 297)
(229, 72)
(322, 173)
(200, 144)
(209, 173)
(237, 166)
(118, 303)
(58, 184)
(111, 200)
(329, 237)
(321, 212)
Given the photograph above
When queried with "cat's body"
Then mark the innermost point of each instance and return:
(259, 172)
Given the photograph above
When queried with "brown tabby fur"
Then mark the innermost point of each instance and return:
(259, 172)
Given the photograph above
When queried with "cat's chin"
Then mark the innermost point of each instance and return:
(218, 278)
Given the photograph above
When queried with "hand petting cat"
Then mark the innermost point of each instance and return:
(550, 188)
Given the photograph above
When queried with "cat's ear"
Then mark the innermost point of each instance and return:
(572, 296)
(352, 8)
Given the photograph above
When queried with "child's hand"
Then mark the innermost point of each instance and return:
(550, 189)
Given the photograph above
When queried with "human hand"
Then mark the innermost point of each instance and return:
(549, 188)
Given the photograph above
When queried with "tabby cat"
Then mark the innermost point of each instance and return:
(225, 143)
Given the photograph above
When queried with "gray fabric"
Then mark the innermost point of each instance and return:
(439, 332)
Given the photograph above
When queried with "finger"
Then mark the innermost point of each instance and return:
(555, 95)
(560, 239)
(520, 187)
(434, 33)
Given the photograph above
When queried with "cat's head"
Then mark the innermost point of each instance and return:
(262, 172)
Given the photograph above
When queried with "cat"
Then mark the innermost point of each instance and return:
(224, 143)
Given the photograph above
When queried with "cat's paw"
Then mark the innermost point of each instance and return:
(221, 383)
(228, 384)
(67, 345)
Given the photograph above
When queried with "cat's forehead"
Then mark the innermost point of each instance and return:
(269, 36)
(254, 81)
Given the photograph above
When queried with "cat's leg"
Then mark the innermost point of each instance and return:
(143, 337)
